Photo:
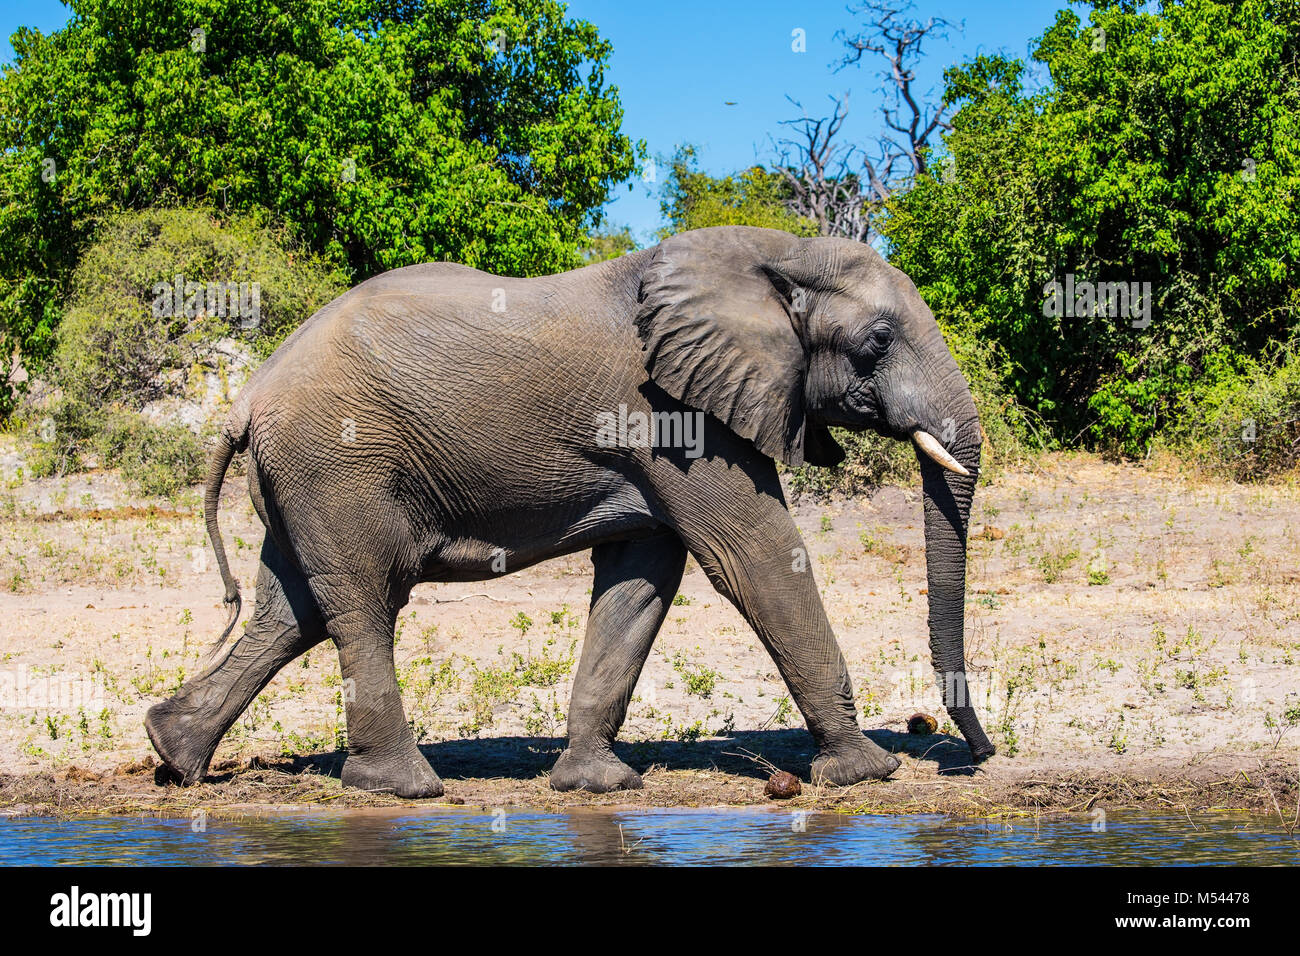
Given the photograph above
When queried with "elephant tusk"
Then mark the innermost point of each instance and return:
(930, 445)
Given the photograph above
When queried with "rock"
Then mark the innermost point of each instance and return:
(922, 724)
(783, 786)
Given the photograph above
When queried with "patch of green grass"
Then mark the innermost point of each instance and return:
(1055, 561)
(700, 681)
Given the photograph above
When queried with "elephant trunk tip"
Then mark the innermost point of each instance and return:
(968, 724)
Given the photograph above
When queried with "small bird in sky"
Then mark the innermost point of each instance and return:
(728, 102)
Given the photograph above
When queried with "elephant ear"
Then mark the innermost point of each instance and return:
(821, 448)
(717, 333)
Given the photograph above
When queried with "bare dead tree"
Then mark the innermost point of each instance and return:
(897, 38)
(844, 187)
(825, 183)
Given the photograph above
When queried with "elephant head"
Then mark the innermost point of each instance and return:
(780, 338)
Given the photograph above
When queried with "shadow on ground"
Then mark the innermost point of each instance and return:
(742, 754)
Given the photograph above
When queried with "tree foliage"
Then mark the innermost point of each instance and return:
(126, 340)
(692, 199)
(386, 133)
(1163, 150)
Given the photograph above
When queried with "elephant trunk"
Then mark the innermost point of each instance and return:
(947, 513)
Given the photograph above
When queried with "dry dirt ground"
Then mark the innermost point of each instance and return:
(1133, 636)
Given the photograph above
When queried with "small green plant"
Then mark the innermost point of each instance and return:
(1098, 571)
(700, 681)
(687, 734)
(784, 711)
(1119, 737)
(877, 544)
(544, 720)
(1055, 561)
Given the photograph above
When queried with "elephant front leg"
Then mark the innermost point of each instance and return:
(749, 546)
(634, 586)
(777, 594)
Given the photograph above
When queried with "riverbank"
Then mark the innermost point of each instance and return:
(1133, 636)
(1025, 789)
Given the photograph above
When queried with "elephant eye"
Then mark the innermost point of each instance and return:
(879, 339)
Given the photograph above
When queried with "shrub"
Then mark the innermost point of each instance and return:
(155, 459)
(159, 459)
(123, 343)
(122, 331)
(1241, 420)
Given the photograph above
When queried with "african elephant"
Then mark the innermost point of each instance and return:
(437, 423)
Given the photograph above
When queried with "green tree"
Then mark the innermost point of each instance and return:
(608, 244)
(387, 133)
(692, 199)
(1161, 150)
(127, 340)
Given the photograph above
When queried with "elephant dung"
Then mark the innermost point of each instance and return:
(783, 786)
(922, 724)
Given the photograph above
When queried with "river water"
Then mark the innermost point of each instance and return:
(683, 837)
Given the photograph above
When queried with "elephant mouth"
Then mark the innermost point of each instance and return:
(860, 409)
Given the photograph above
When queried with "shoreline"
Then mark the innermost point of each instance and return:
(1266, 788)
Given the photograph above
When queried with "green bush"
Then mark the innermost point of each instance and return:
(753, 197)
(123, 332)
(120, 347)
(155, 459)
(160, 459)
(1241, 420)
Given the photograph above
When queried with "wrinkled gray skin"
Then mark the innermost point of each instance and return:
(411, 432)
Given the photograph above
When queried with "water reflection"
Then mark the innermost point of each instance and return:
(447, 837)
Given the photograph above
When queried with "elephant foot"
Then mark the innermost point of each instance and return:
(406, 775)
(181, 739)
(845, 766)
(594, 771)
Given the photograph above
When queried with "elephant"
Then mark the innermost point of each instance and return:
(437, 423)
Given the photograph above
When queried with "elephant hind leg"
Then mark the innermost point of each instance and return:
(186, 729)
(634, 586)
(382, 752)
(359, 607)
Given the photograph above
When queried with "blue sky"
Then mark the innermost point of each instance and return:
(678, 63)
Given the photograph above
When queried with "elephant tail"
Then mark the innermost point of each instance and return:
(232, 438)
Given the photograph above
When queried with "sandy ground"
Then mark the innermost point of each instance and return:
(1133, 636)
